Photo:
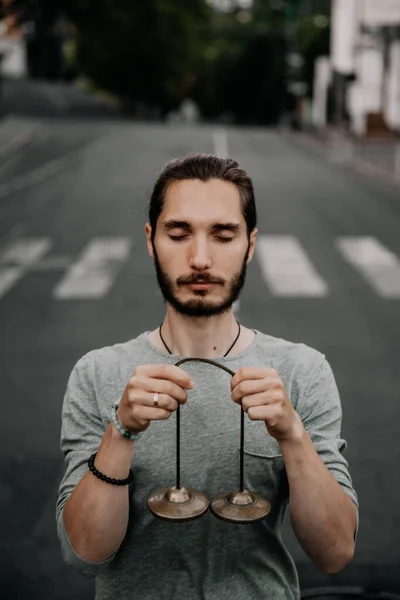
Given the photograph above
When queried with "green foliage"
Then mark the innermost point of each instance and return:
(144, 51)
(242, 71)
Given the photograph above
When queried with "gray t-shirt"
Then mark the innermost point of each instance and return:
(205, 559)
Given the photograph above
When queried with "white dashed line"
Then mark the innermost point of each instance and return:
(94, 273)
(19, 258)
(286, 268)
(378, 265)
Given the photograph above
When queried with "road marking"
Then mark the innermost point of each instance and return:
(8, 278)
(36, 175)
(220, 139)
(286, 268)
(378, 265)
(26, 251)
(19, 258)
(93, 274)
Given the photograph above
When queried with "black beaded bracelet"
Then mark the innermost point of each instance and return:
(108, 479)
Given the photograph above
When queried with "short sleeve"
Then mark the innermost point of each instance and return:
(321, 413)
(81, 433)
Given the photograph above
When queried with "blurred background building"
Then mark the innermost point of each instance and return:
(363, 70)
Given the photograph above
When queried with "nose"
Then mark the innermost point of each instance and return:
(199, 255)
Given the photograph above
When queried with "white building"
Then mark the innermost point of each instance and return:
(364, 65)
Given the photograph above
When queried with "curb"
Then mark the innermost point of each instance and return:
(356, 164)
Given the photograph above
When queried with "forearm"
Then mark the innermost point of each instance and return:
(323, 516)
(96, 514)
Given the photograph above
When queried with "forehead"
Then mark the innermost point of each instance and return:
(194, 200)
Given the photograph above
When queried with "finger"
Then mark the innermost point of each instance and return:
(162, 386)
(271, 413)
(268, 398)
(257, 386)
(170, 372)
(165, 401)
(251, 373)
(248, 387)
(256, 400)
(143, 414)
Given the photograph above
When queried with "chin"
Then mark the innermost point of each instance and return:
(198, 308)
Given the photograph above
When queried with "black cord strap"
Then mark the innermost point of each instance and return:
(105, 478)
(205, 360)
(178, 425)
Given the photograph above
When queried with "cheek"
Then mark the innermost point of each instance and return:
(232, 260)
(172, 260)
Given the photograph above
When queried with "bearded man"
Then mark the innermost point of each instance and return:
(119, 439)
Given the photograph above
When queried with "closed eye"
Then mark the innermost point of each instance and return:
(221, 238)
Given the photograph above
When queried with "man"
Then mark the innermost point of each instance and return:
(201, 235)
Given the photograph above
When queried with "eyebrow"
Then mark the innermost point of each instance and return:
(174, 224)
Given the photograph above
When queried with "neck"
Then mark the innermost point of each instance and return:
(201, 337)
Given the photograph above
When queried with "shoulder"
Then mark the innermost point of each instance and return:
(115, 360)
(285, 355)
(114, 352)
(297, 364)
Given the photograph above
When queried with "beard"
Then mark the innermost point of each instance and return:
(199, 306)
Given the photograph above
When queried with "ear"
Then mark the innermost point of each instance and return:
(148, 230)
(252, 244)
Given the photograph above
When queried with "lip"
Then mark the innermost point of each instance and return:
(200, 286)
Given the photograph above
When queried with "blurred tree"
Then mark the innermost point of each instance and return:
(243, 69)
(144, 52)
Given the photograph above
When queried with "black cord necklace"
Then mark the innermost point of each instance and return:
(226, 353)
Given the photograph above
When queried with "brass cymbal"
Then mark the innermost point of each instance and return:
(240, 506)
(173, 504)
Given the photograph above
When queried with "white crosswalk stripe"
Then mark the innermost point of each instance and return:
(8, 278)
(286, 268)
(378, 265)
(94, 273)
(19, 258)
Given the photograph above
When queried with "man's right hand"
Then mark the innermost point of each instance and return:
(136, 409)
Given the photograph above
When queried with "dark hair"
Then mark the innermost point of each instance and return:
(203, 167)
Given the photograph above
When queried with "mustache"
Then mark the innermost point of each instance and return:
(196, 278)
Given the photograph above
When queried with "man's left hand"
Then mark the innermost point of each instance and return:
(263, 396)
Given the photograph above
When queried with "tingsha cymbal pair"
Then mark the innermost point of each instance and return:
(177, 503)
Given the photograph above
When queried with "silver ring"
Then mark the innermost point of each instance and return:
(155, 399)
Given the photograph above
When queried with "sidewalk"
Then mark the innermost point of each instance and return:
(16, 133)
(375, 157)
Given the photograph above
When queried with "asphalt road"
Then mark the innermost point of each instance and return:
(81, 181)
